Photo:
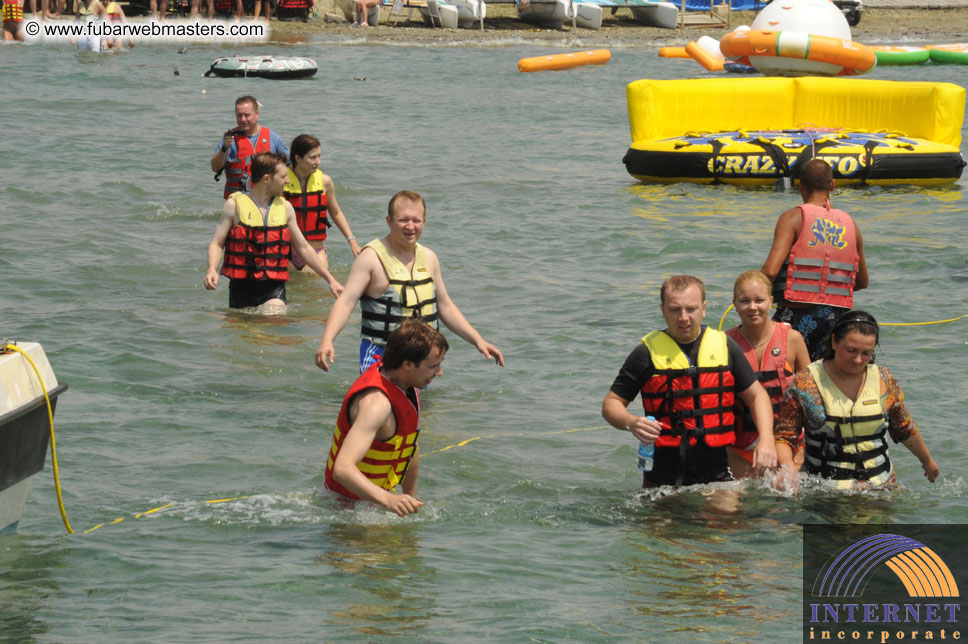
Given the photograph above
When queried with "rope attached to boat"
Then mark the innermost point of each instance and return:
(53, 444)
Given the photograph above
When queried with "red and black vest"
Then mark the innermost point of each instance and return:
(690, 400)
(774, 372)
(310, 206)
(822, 265)
(258, 246)
(237, 172)
(385, 463)
(12, 11)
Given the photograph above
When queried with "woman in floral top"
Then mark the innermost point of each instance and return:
(847, 406)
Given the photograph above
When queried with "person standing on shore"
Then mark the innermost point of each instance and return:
(235, 151)
(394, 279)
(816, 261)
(256, 232)
(380, 420)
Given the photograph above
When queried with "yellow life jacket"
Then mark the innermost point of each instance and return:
(851, 445)
(410, 294)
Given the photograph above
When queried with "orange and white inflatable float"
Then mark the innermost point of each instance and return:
(795, 53)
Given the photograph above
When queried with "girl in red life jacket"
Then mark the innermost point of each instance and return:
(773, 349)
(313, 197)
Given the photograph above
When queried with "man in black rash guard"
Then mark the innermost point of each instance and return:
(691, 430)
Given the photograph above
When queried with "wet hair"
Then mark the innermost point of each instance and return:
(248, 99)
(681, 283)
(860, 321)
(816, 176)
(412, 342)
(265, 163)
(301, 146)
(408, 195)
(751, 276)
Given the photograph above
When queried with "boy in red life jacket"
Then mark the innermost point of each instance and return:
(688, 376)
(816, 261)
(374, 445)
(234, 152)
(256, 232)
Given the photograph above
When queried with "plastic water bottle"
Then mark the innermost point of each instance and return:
(646, 455)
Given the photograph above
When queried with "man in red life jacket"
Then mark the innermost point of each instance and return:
(235, 151)
(816, 261)
(256, 232)
(374, 445)
(687, 376)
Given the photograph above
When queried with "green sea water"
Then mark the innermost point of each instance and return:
(534, 528)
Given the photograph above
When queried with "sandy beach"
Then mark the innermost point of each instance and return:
(502, 26)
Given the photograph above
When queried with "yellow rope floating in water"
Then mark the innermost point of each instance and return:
(438, 451)
(53, 444)
(960, 317)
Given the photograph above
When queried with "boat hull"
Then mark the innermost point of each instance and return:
(24, 428)
(664, 15)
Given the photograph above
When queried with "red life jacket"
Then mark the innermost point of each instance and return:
(822, 265)
(258, 246)
(386, 462)
(690, 400)
(774, 373)
(237, 172)
(12, 11)
(310, 206)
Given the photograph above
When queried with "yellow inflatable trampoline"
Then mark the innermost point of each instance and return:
(753, 131)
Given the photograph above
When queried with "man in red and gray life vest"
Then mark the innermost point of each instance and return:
(816, 262)
(234, 152)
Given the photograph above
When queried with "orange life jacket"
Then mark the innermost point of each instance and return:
(774, 373)
(695, 401)
(310, 206)
(237, 172)
(258, 246)
(386, 462)
(822, 265)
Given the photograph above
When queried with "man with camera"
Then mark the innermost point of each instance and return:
(234, 152)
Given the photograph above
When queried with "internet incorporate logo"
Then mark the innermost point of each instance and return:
(909, 592)
(922, 572)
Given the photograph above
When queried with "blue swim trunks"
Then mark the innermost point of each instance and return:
(814, 322)
(369, 352)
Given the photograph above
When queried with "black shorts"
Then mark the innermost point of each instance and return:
(703, 464)
(248, 292)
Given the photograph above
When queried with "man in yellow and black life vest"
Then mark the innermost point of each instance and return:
(234, 152)
(374, 445)
(256, 231)
(688, 376)
(395, 278)
(816, 261)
